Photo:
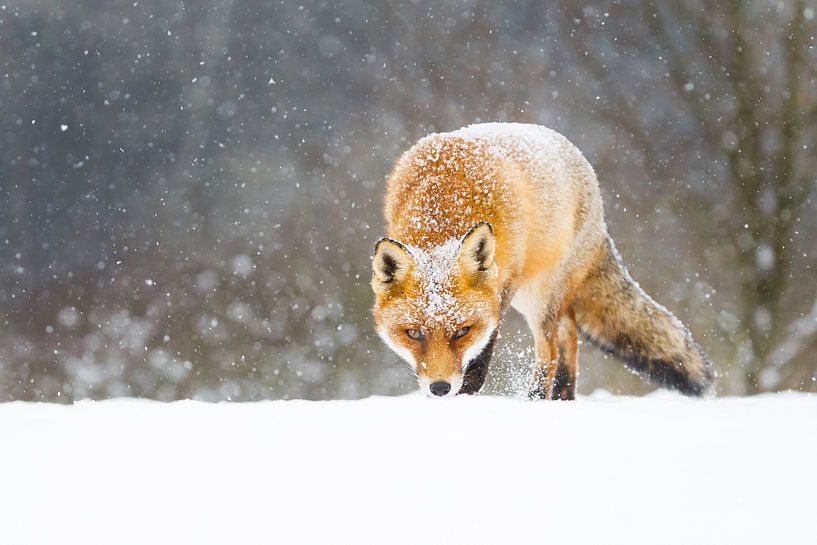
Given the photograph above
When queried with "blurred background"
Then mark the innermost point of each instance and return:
(190, 191)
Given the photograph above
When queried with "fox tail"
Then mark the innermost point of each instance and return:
(617, 316)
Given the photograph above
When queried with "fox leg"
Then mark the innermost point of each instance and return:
(477, 370)
(564, 384)
(546, 362)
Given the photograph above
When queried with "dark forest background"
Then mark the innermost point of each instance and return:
(190, 191)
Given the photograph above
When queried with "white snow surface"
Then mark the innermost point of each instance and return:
(601, 470)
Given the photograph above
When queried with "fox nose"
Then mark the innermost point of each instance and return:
(440, 388)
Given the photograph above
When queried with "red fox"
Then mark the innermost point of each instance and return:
(502, 215)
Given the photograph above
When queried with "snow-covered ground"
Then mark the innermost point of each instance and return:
(601, 470)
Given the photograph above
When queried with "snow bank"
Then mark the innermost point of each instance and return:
(411, 470)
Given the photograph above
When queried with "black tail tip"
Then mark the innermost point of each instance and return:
(691, 373)
(694, 380)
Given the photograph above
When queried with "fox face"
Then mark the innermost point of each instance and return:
(437, 308)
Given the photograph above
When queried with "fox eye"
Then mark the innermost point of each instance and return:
(415, 334)
(462, 332)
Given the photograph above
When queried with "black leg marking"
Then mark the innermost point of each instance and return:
(478, 368)
(564, 386)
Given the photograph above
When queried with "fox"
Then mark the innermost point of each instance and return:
(496, 216)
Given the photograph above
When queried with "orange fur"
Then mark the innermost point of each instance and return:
(492, 216)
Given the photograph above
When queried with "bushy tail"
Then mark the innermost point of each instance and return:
(617, 316)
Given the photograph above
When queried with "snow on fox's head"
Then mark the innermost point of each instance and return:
(438, 307)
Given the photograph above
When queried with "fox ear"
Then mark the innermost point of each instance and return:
(390, 265)
(478, 249)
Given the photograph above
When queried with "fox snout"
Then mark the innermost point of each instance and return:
(440, 387)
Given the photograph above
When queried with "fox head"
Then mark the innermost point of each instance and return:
(438, 307)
